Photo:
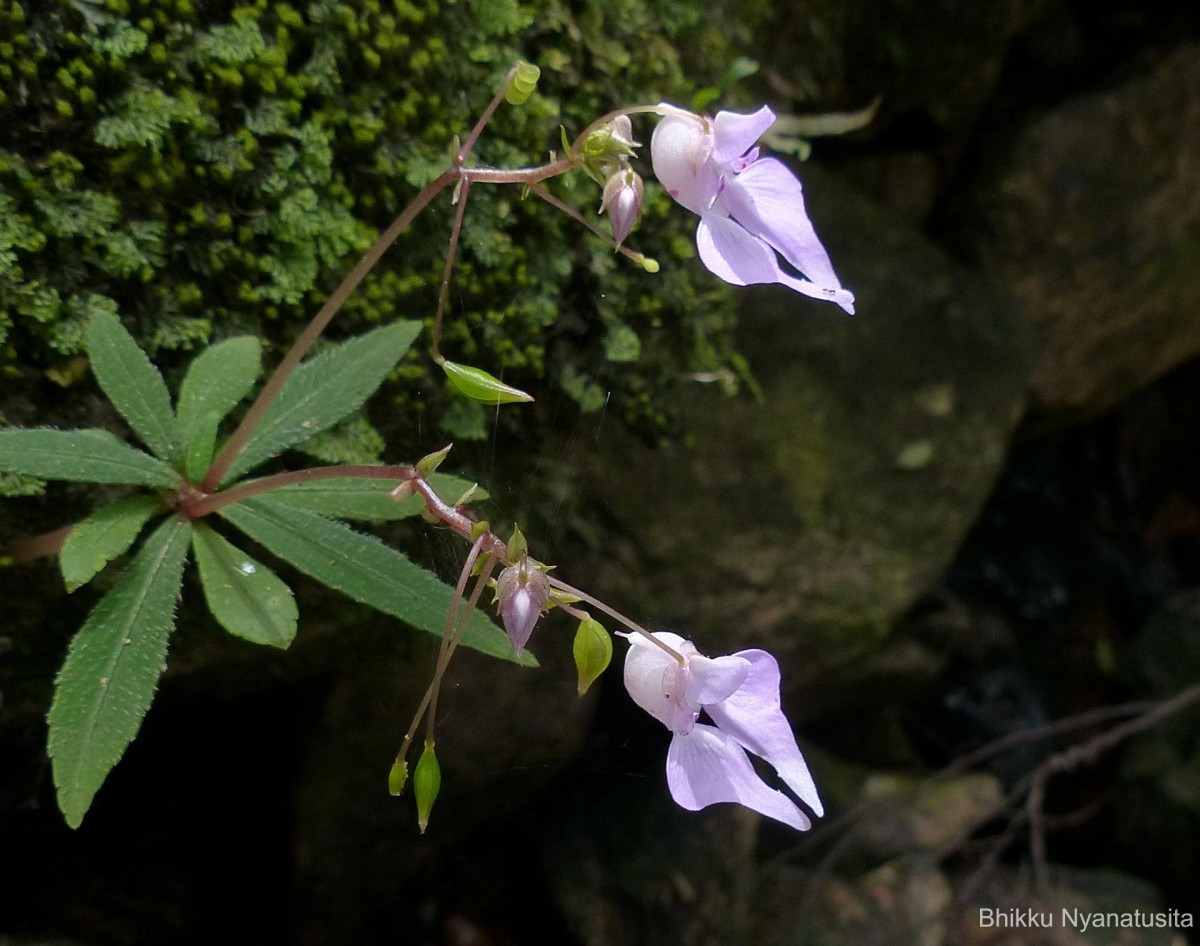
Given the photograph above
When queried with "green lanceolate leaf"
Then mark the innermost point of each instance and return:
(480, 386)
(84, 456)
(247, 598)
(367, 499)
(215, 383)
(361, 567)
(102, 536)
(324, 390)
(132, 383)
(201, 446)
(112, 669)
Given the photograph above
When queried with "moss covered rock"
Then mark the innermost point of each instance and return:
(808, 522)
(207, 169)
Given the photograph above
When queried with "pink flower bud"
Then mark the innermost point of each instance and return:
(522, 592)
(623, 200)
(622, 131)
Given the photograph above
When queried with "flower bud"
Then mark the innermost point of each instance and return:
(610, 143)
(427, 781)
(592, 651)
(397, 777)
(621, 129)
(522, 592)
(523, 83)
(623, 200)
(480, 386)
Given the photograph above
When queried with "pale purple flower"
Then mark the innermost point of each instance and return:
(750, 208)
(740, 694)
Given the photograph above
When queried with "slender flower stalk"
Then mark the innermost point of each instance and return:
(575, 215)
(616, 616)
(442, 660)
(450, 643)
(457, 172)
(451, 253)
(486, 117)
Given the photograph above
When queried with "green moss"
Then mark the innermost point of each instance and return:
(211, 168)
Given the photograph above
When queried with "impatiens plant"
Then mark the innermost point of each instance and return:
(195, 469)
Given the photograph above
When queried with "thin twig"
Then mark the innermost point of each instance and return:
(1037, 833)
(971, 886)
(1045, 731)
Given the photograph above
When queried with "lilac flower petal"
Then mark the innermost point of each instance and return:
(712, 679)
(740, 164)
(735, 133)
(656, 682)
(753, 716)
(742, 259)
(706, 767)
(733, 254)
(680, 149)
(768, 201)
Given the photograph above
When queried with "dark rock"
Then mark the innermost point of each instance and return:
(1090, 216)
(627, 866)
(808, 522)
(902, 901)
(846, 54)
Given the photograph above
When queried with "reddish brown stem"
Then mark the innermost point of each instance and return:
(444, 291)
(35, 547)
(485, 118)
(313, 330)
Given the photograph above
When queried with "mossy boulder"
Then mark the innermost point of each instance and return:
(807, 522)
(1090, 215)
